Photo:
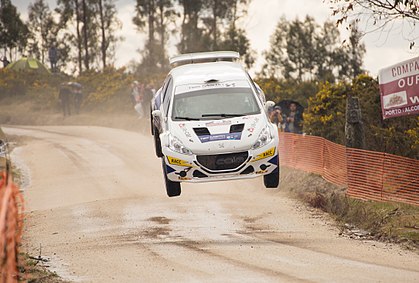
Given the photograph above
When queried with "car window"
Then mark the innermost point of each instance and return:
(164, 87)
(258, 90)
(215, 103)
(167, 95)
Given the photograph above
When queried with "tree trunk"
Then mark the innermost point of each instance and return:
(151, 30)
(102, 27)
(79, 47)
(214, 24)
(41, 17)
(85, 35)
(162, 31)
(182, 35)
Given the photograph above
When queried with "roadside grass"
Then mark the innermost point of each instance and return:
(32, 272)
(385, 221)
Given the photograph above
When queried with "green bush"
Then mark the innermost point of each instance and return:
(325, 117)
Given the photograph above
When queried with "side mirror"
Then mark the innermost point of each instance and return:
(269, 105)
(156, 114)
(157, 119)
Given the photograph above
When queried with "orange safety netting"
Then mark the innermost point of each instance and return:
(367, 174)
(10, 228)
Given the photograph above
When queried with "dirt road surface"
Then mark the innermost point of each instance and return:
(97, 206)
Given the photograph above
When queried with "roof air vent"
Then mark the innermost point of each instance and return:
(211, 81)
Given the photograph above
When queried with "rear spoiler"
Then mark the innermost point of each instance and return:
(191, 58)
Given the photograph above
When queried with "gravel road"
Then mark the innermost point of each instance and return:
(97, 206)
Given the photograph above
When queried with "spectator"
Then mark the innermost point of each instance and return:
(148, 96)
(5, 62)
(65, 97)
(53, 58)
(78, 96)
(138, 94)
(135, 92)
(293, 122)
(277, 118)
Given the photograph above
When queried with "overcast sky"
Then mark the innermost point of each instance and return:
(383, 49)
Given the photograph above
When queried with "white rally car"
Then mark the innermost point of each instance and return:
(209, 123)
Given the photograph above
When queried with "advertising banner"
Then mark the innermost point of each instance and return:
(399, 89)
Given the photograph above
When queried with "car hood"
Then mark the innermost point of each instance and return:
(219, 136)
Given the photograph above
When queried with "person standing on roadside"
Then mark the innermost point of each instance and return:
(5, 62)
(277, 118)
(78, 97)
(293, 122)
(65, 98)
(139, 98)
(53, 58)
(149, 92)
(135, 92)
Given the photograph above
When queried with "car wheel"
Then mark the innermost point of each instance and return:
(173, 189)
(151, 121)
(272, 179)
(157, 143)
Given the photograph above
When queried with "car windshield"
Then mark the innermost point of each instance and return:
(214, 104)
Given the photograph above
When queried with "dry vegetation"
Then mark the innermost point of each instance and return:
(393, 222)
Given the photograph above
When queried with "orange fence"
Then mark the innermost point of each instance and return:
(367, 174)
(10, 228)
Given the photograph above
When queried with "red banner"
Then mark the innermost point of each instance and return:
(399, 88)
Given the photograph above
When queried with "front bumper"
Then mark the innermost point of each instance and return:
(218, 167)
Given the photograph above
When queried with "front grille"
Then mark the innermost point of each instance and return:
(223, 161)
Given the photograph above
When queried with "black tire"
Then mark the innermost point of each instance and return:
(157, 143)
(173, 189)
(151, 121)
(272, 180)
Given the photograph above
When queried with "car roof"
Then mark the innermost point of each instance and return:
(199, 73)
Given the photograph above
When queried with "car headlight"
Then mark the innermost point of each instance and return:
(264, 138)
(176, 145)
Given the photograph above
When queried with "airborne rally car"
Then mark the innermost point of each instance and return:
(210, 124)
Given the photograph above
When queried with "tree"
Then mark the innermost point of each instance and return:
(81, 21)
(191, 33)
(383, 13)
(282, 89)
(235, 38)
(352, 54)
(277, 52)
(304, 51)
(150, 15)
(43, 29)
(293, 49)
(327, 52)
(13, 32)
(108, 23)
(89, 32)
(212, 25)
(216, 12)
(300, 43)
(70, 14)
